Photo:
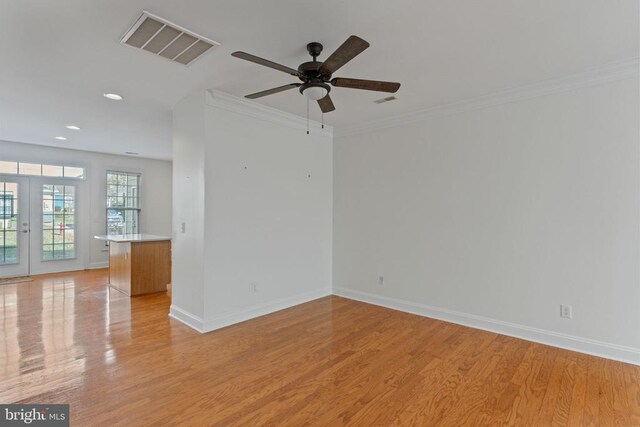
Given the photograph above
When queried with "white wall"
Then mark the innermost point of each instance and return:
(495, 217)
(265, 199)
(155, 191)
(188, 207)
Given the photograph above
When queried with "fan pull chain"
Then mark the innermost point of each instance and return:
(323, 120)
(307, 116)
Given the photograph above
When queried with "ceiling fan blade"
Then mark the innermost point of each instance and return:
(272, 91)
(366, 84)
(265, 62)
(326, 104)
(345, 53)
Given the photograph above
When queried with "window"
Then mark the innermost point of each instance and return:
(9, 167)
(37, 169)
(71, 172)
(58, 219)
(123, 203)
(50, 170)
(30, 169)
(8, 223)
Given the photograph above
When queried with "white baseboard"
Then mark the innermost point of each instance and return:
(232, 318)
(555, 339)
(192, 321)
(97, 265)
(262, 309)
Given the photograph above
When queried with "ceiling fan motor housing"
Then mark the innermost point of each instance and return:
(309, 71)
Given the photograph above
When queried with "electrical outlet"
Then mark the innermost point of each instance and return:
(253, 288)
(565, 311)
(183, 227)
(380, 280)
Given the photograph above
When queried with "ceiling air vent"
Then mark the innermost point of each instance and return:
(164, 38)
(383, 100)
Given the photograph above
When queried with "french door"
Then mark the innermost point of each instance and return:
(39, 232)
(14, 226)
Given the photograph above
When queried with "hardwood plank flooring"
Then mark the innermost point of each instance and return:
(119, 361)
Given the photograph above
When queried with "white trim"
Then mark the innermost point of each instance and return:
(98, 264)
(555, 339)
(620, 70)
(542, 336)
(262, 309)
(201, 325)
(191, 320)
(253, 109)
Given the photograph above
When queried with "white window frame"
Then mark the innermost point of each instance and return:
(136, 209)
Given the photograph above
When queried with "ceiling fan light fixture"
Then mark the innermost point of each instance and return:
(315, 91)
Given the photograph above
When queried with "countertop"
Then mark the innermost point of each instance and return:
(121, 238)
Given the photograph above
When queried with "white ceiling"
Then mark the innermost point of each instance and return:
(60, 56)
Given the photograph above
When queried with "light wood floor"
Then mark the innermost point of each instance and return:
(332, 361)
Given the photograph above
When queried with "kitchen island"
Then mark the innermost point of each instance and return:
(139, 263)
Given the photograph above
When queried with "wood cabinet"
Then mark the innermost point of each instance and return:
(140, 267)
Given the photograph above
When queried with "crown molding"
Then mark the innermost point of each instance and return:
(225, 101)
(609, 73)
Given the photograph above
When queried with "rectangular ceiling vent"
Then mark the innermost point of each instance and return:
(383, 100)
(164, 38)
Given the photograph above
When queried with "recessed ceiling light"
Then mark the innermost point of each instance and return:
(113, 96)
(72, 127)
(61, 138)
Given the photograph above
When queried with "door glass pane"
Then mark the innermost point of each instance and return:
(58, 222)
(8, 223)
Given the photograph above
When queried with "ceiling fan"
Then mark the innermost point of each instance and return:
(316, 76)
